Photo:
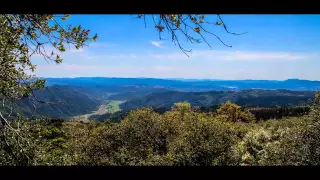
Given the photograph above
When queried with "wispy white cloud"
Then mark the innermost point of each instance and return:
(175, 72)
(262, 56)
(199, 55)
(169, 56)
(157, 44)
(232, 56)
(249, 55)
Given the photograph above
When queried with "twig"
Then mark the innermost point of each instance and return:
(210, 33)
(175, 38)
(225, 27)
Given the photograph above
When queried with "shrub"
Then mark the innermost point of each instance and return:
(234, 113)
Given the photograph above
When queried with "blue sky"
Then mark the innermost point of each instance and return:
(276, 47)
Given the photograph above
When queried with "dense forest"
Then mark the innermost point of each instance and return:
(66, 102)
(254, 97)
(260, 113)
(182, 136)
(56, 102)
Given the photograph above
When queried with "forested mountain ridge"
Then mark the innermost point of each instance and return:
(244, 98)
(57, 102)
(68, 101)
(65, 101)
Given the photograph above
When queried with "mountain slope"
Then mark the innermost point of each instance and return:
(62, 102)
(243, 98)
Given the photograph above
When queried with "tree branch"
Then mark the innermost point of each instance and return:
(225, 27)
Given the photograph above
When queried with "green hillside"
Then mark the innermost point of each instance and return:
(260, 98)
(57, 102)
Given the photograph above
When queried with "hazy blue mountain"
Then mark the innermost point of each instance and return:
(187, 84)
(82, 95)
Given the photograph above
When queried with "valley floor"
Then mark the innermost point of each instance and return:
(109, 107)
(102, 110)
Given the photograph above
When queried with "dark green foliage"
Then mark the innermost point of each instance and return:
(59, 102)
(208, 99)
(182, 136)
(317, 98)
(67, 101)
(111, 117)
(52, 142)
(266, 113)
(234, 113)
(178, 137)
(17, 147)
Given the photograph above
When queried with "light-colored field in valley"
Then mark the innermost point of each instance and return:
(102, 110)
(110, 107)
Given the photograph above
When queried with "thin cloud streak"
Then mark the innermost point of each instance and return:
(231, 73)
(157, 44)
(250, 56)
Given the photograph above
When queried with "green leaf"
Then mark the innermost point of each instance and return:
(95, 37)
(33, 35)
(62, 49)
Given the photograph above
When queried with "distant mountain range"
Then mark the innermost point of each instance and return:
(69, 97)
(189, 85)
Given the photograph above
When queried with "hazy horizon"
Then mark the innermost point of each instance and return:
(203, 79)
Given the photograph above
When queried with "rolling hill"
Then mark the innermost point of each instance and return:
(244, 98)
(60, 102)
(76, 96)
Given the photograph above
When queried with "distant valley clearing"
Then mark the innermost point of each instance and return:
(110, 107)
(113, 106)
